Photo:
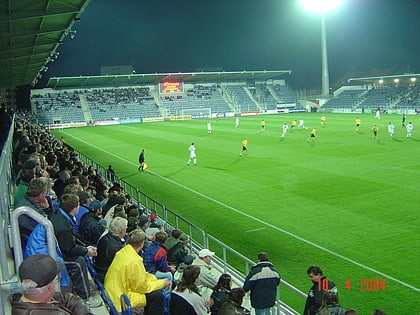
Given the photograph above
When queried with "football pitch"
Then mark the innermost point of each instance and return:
(345, 201)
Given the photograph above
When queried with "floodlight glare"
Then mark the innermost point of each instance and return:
(413, 79)
(396, 80)
(381, 81)
(320, 5)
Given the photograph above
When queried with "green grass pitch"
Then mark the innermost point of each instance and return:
(346, 202)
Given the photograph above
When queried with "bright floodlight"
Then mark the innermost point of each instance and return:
(320, 5)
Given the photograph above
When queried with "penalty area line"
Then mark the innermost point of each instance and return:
(260, 221)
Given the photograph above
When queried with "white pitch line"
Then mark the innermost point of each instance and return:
(255, 230)
(261, 221)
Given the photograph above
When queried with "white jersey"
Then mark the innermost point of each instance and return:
(285, 128)
(301, 123)
(409, 127)
(209, 126)
(192, 151)
(391, 128)
(236, 122)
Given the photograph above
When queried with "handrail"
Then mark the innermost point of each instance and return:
(17, 245)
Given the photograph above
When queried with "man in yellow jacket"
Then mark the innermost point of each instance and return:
(128, 275)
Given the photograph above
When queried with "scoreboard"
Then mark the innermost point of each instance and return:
(171, 87)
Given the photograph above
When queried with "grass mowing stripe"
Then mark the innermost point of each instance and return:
(258, 220)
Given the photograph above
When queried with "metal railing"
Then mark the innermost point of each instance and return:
(227, 260)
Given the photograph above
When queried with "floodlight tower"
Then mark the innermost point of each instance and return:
(322, 7)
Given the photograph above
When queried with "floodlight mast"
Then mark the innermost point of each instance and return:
(322, 6)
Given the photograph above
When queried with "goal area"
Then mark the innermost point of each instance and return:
(197, 112)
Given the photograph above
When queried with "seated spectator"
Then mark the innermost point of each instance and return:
(208, 279)
(127, 275)
(143, 222)
(173, 239)
(220, 293)
(233, 306)
(70, 245)
(25, 177)
(38, 274)
(155, 258)
(177, 253)
(35, 199)
(133, 219)
(109, 244)
(186, 298)
(150, 236)
(188, 260)
(91, 228)
(330, 305)
(84, 200)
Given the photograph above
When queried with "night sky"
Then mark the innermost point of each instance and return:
(364, 37)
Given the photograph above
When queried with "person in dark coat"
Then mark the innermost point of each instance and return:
(109, 244)
(233, 306)
(90, 228)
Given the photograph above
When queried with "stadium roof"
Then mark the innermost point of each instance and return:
(144, 79)
(405, 78)
(30, 32)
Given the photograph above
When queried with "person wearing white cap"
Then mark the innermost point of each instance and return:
(208, 279)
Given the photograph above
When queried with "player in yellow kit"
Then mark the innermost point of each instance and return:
(312, 136)
(263, 125)
(244, 147)
(375, 129)
(358, 121)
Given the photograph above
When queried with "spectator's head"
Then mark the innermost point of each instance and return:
(189, 279)
(27, 175)
(133, 212)
(95, 206)
(188, 259)
(119, 212)
(38, 188)
(206, 255)
(136, 239)
(329, 298)
(224, 282)
(176, 233)
(315, 273)
(262, 257)
(72, 189)
(237, 295)
(161, 237)
(85, 198)
(378, 312)
(143, 221)
(151, 233)
(118, 227)
(70, 203)
(37, 274)
(184, 239)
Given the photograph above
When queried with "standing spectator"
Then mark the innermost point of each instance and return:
(73, 252)
(262, 281)
(193, 156)
(38, 274)
(186, 299)
(409, 129)
(220, 293)
(208, 279)
(127, 275)
(141, 160)
(320, 284)
(110, 174)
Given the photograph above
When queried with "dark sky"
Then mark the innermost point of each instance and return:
(365, 37)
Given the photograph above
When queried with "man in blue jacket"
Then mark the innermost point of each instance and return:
(262, 281)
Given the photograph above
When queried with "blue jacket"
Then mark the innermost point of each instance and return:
(37, 244)
(262, 281)
(155, 258)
